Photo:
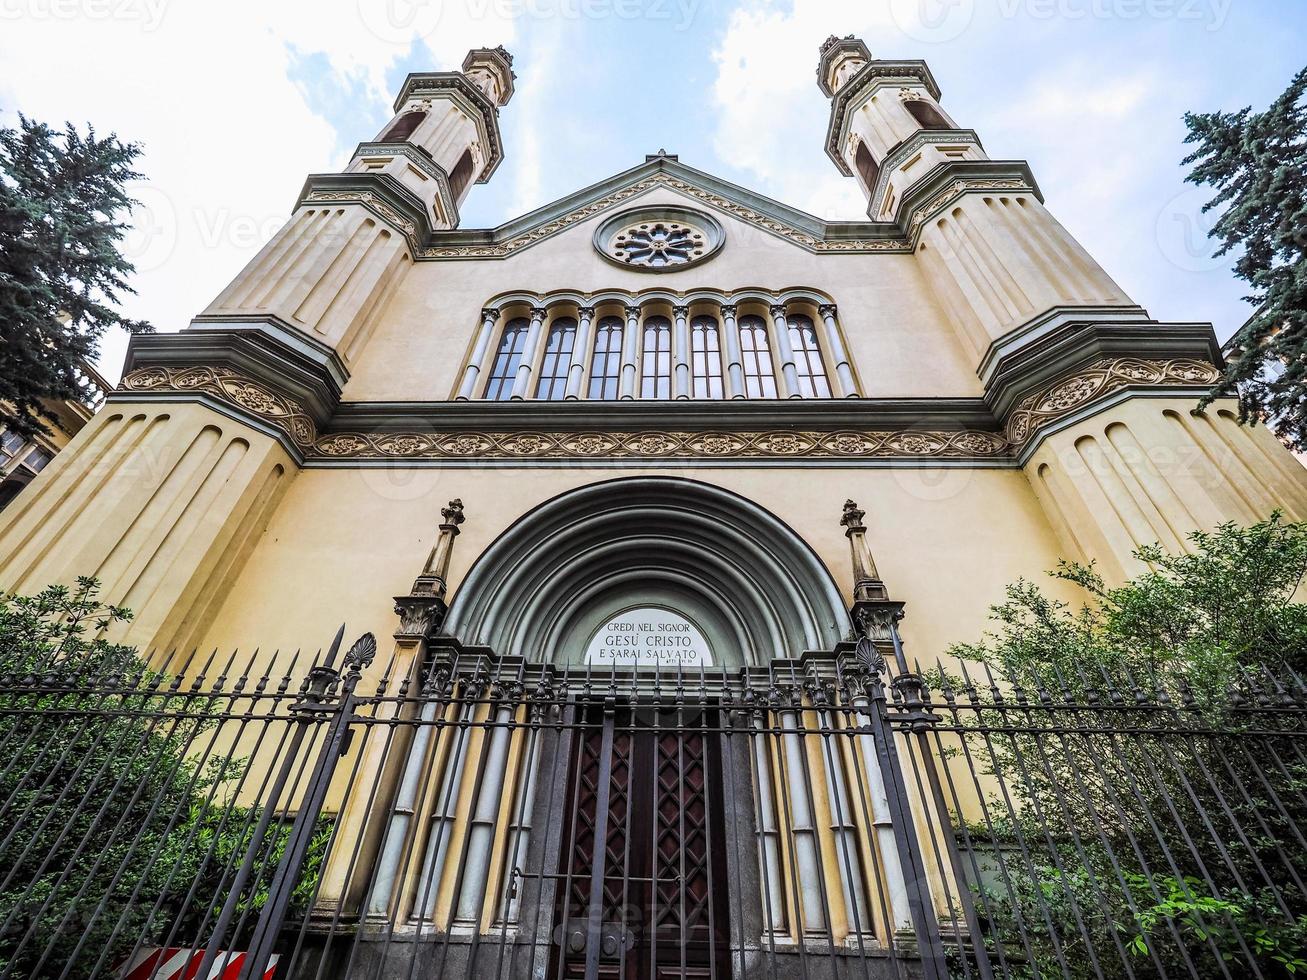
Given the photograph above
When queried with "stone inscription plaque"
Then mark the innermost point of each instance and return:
(648, 637)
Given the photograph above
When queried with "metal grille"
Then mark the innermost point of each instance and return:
(474, 816)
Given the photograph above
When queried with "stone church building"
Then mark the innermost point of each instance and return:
(617, 435)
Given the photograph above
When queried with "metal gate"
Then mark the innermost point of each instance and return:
(645, 888)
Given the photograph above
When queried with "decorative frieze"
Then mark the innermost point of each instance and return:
(783, 444)
(1038, 410)
(232, 387)
(1069, 395)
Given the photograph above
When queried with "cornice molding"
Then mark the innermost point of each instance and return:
(947, 182)
(1067, 340)
(262, 350)
(1069, 396)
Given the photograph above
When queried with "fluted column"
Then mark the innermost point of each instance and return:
(789, 376)
(580, 348)
(522, 384)
(476, 363)
(734, 361)
(839, 358)
(681, 354)
(629, 340)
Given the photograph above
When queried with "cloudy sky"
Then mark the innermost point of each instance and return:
(235, 101)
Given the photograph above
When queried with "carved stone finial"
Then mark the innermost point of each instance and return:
(453, 514)
(851, 520)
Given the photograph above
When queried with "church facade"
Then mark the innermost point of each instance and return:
(664, 425)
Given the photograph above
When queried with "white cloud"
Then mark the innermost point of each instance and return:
(228, 137)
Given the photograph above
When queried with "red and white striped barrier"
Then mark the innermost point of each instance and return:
(184, 964)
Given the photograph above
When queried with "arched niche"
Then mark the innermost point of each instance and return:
(739, 574)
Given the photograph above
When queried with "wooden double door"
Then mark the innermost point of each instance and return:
(643, 892)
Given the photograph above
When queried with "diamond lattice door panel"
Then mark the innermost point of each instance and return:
(645, 828)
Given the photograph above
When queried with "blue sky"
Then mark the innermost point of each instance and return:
(236, 102)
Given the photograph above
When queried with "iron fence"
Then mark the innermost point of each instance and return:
(482, 816)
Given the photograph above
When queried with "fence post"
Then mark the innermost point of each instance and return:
(308, 712)
(916, 885)
(273, 913)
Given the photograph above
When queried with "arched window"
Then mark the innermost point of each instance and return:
(461, 174)
(403, 127)
(755, 355)
(606, 362)
(813, 382)
(927, 116)
(499, 387)
(867, 168)
(557, 359)
(705, 358)
(656, 364)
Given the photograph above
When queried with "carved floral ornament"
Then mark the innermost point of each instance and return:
(1038, 410)
(1070, 394)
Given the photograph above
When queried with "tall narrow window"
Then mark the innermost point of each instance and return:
(867, 168)
(755, 353)
(461, 174)
(557, 359)
(813, 382)
(403, 127)
(926, 115)
(499, 387)
(705, 358)
(656, 365)
(606, 362)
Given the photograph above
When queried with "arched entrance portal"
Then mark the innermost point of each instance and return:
(682, 558)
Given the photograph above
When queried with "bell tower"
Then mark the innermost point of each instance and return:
(321, 280)
(999, 262)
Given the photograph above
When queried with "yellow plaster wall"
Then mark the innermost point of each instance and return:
(899, 340)
(344, 541)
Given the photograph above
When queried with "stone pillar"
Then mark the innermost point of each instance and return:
(844, 384)
(392, 768)
(789, 378)
(477, 362)
(580, 349)
(522, 384)
(803, 824)
(681, 354)
(630, 341)
(731, 348)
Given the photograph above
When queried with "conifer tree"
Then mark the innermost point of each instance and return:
(62, 210)
(1258, 164)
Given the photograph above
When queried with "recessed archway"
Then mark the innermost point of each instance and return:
(733, 569)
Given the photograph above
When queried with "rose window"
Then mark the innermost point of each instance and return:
(659, 244)
(659, 238)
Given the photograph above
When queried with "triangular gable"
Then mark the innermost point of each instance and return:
(778, 219)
